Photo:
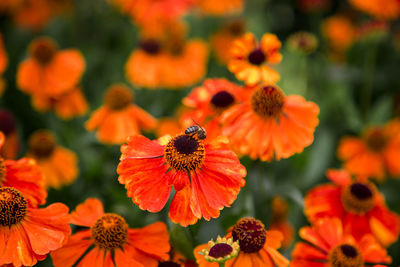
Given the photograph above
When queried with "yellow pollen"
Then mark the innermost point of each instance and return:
(13, 206)
(358, 198)
(43, 50)
(2, 169)
(345, 255)
(110, 231)
(376, 139)
(185, 153)
(268, 101)
(118, 97)
(42, 144)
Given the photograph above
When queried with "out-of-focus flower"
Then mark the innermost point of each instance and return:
(270, 125)
(221, 7)
(358, 204)
(28, 234)
(49, 71)
(58, 164)
(303, 42)
(389, 10)
(250, 60)
(3, 64)
(373, 30)
(327, 245)
(258, 247)
(24, 175)
(222, 40)
(279, 221)
(119, 118)
(205, 175)
(314, 5)
(375, 154)
(9, 128)
(168, 126)
(340, 34)
(220, 251)
(67, 105)
(110, 242)
(176, 259)
(210, 100)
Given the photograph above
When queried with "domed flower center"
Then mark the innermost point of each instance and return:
(236, 28)
(268, 101)
(7, 122)
(110, 231)
(250, 233)
(222, 100)
(358, 198)
(256, 57)
(2, 169)
(168, 264)
(345, 256)
(184, 153)
(13, 206)
(43, 50)
(42, 144)
(118, 97)
(220, 250)
(150, 46)
(376, 140)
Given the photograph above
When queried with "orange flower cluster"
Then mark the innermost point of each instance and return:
(51, 77)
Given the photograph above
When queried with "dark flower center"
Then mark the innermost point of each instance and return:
(42, 144)
(256, 57)
(345, 255)
(168, 264)
(7, 122)
(150, 46)
(184, 153)
(110, 231)
(268, 101)
(222, 99)
(358, 198)
(13, 206)
(118, 97)
(376, 140)
(43, 50)
(220, 250)
(251, 234)
(2, 169)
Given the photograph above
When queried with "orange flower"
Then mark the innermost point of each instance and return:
(279, 221)
(221, 7)
(375, 154)
(110, 242)
(24, 175)
(9, 128)
(67, 105)
(327, 245)
(27, 234)
(205, 175)
(340, 33)
(222, 40)
(270, 125)
(119, 118)
(249, 58)
(58, 164)
(49, 71)
(258, 247)
(168, 126)
(358, 204)
(390, 10)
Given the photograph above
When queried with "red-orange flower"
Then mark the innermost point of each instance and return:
(375, 154)
(390, 10)
(58, 164)
(209, 101)
(358, 204)
(221, 7)
(67, 105)
(270, 125)
(250, 60)
(205, 175)
(119, 118)
(110, 242)
(3, 64)
(327, 245)
(24, 175)
(49, 71)
(28, 234)
(8, 126)
(258, 247)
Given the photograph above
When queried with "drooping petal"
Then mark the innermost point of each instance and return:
(87, 213)
(179, 210)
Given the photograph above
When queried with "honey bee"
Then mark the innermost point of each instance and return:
(196, 130)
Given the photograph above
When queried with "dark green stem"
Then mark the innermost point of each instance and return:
(366, 93)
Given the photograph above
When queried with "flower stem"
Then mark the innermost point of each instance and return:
(366, 94)
(221, 264)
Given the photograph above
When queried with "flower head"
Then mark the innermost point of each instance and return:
(110, 242)
(221, 250)
(303, 42)
(250, 60)
(206, 176)
(389, 11)
(221, 7)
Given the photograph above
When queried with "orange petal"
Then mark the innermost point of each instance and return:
(87, 213)
(179, 210)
